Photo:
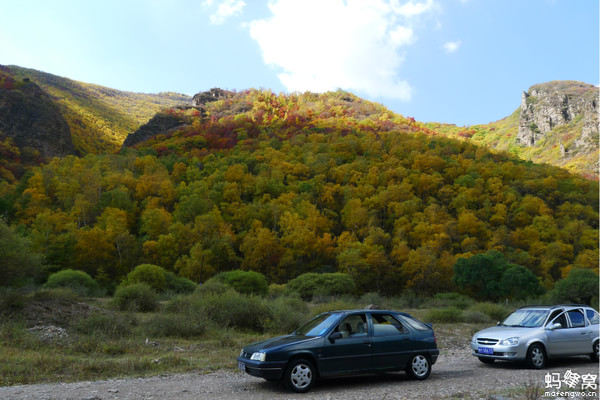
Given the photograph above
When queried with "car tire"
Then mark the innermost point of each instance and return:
(594, 355)
(300, 375)
(486, 360)
(419, 367)
(536, 356)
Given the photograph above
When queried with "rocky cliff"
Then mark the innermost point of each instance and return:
(30, 116)
(546, 107)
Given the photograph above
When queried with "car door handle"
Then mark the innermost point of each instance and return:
(584, 333)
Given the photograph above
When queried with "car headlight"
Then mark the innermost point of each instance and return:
(511, 341)
(242, 353)
(259, 356)
(474, 340)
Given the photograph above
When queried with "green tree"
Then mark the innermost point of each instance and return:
(580, 286)
(19, 261)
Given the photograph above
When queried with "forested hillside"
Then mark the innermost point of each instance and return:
(99, 117)
(287, 184)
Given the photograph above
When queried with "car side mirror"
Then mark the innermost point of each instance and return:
(335, 336)
(556, 325)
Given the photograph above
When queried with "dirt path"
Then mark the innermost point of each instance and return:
(457, 375)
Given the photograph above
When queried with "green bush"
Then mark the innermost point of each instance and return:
(212, 286)
(173, 325)
(475, 317)
(178, 284)
(448, 314)
(450, 300)
(496, 312)
(78, 281)
(246, 282)
(234, 310)
(135, 297)
(106, 324)
(285, 314)
(276, 289)
(328, 284)
(59, 294)
(151, 275)
(580, 286)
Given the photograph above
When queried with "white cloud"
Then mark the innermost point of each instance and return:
(224, 9)
(352, 44)
(451, 47)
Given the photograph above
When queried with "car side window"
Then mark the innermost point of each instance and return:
(353, 326)
(386, 325)
(577, 318)
(561, 319)
(592, 316)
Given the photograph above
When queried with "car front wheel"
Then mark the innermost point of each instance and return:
(300, 375)
(594, 356)
(536, 356)
(418, 367)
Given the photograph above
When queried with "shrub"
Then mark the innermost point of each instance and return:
(173, 325)
(450, 300)
(78, 281)
(151, 275)
(234, 310)
(276, 289)
(311, 284)
(135, 297)
(495, 311)
(59, 294)
(580, 286)
(247, 282)
(475, 317)
(286, 314)
(106, 324)
(212, 286)
(448, 314)
(178, 284)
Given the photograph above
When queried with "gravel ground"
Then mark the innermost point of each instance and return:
(456, 375)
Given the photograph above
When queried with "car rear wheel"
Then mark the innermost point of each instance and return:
(594, 356)
(418, 367)
(486, 360)
(300, 375)
(536, 356)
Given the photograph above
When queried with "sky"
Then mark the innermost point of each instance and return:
(454, 61)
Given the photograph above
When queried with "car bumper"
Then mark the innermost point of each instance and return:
(499, 352)
(434, 354)
(263, 369)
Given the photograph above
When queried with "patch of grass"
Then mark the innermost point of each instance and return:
(448, 314)
(496, 312)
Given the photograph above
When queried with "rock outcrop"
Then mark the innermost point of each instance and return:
(547, 106)
(214, 94)
(160, 123)
(30, 116)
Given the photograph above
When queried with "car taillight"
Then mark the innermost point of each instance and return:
(434, 339)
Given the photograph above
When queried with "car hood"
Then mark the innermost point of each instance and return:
(503, 332)
(276, 342)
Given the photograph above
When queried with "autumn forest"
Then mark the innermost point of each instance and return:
(289, 184)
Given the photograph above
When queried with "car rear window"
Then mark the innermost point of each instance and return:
(592, 316)
(418, 325)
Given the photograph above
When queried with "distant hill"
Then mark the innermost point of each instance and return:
(99, 118)
(557, 123)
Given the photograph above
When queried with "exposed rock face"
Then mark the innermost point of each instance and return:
(160, 123)
(213, 94)
(31, 118)
(550, 105)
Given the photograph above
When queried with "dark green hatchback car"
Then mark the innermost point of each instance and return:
(344, 342)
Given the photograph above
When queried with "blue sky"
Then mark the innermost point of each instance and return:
(454, 61)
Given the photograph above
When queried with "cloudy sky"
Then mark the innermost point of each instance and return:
(455, 61)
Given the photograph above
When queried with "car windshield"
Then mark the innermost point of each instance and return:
(318, 325)
(526, 318)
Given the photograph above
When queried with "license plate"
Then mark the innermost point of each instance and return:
(485, 350)
(242, 366)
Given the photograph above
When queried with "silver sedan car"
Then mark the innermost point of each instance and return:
(536, 333)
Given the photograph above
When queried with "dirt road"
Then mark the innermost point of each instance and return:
(457, 375)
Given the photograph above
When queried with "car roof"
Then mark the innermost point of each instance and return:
(371, 311)
(553, 307)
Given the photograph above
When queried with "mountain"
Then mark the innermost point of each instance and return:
(557, 123)
(99, 118)
(30, 117)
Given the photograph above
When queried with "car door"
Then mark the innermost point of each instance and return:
(351, 352)
(579, 332)
(566, 340)
(392, 342)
